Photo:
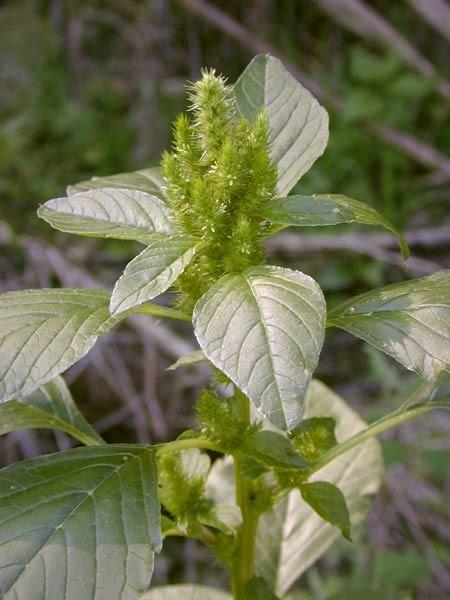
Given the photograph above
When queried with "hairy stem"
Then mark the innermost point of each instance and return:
(244, 560)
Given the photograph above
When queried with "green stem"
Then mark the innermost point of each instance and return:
(161, 311)
(179, 445)
(244, 560)
(376, 428)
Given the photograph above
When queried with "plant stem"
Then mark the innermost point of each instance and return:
(161, 311)
(187, 444)
(392, 420)
(244, 560)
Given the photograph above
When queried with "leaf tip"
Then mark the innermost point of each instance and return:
(347, 533)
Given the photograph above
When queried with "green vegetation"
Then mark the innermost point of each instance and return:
(296, 464)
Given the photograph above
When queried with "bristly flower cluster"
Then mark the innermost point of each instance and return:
(219, 423)
(218, 176)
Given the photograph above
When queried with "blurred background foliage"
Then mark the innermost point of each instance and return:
(90, 88)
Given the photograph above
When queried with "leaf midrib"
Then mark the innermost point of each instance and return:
(266, 335)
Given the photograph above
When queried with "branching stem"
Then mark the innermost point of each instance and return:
(392, 420)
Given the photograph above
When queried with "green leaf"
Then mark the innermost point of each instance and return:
(328, 209)
(191, 358)
(49, 407)
(328, 502)
(410, 321)
(152, 272)
(292, 537)
(264, 329)
(145, 180)
(79, 525)
(298, 124)
(312, 437)
(44, 332)
(186, 592)
(109, 213)
(273, 450)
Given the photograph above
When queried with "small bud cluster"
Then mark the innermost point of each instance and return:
(290, 479)
(314, 436)
(181, 494)
(218, 176)
(219, 423)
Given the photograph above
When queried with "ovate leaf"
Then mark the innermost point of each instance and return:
(298, 124)
(109, 213)
(186, 592)
(49, 407)
(44, 332)
(264, 329)
(410, 321)
(152, 272)
(328, 502)
(328, 209)
(79, 525)
(292, 536)
(145, 180)
(273, 450)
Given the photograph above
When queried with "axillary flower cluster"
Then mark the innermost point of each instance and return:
(218, 176)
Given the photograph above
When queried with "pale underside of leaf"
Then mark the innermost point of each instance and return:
(409, 321)
(292, 537)
(264, 329)
(109, 213)
(186, 592)
(298, 124)
(79, 525)
(51, 407)
(152, 272)
(145, 180)
(194, 464)
(328, 209)
(44, 332)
